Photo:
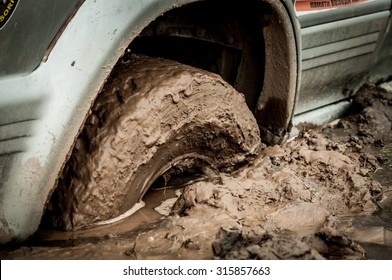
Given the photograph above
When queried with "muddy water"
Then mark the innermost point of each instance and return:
(325, 194)
(146, 215)
(375, 231)
(49, 243)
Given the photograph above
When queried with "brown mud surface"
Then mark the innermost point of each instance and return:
(325, 194)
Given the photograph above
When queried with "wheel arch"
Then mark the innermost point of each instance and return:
(68, 82)
(276, 104)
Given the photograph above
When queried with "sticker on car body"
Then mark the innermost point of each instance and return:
(304, 6)
(7, 8)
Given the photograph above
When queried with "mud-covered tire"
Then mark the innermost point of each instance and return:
(151, 115)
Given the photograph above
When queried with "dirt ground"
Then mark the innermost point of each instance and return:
(325, 194)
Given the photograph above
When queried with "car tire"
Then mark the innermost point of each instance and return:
(152, 115)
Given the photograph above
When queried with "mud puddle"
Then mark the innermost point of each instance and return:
(326, 194)
(145, 215)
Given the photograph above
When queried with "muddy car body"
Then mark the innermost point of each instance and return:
(56, 56)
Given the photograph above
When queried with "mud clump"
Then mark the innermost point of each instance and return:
(325, 244)
(233, 244)
(306, 175)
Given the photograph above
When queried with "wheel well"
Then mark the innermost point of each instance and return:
(221, 38)
(250, 45)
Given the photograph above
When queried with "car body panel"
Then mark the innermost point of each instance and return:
(336, 57)
(308, 18)
(33, 26)
(383, 67)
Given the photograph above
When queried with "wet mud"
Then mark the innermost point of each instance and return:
(326, 194)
